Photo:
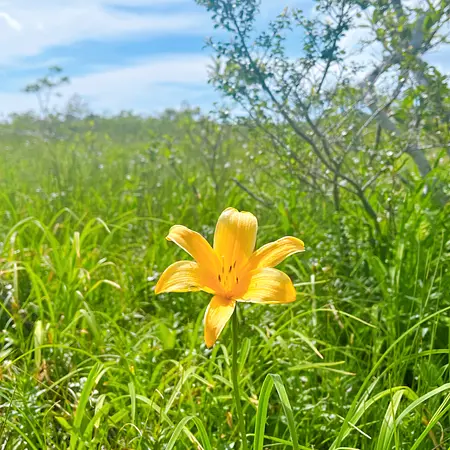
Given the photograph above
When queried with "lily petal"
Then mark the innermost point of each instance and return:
(194, 244)
(217, 315)
(235, 237)
(274, 253)
(269, 285)
(183, 276)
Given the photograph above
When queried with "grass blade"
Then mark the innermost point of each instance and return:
(261, 414)
(182, 424)
(95, 374)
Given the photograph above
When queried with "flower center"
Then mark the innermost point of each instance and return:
(228, 278)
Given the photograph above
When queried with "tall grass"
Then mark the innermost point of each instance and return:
(90, 358)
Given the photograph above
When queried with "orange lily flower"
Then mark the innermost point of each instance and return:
(232, 271)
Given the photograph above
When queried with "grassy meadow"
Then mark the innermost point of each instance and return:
(90, 358)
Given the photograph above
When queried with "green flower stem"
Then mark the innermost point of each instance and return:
(234, 373)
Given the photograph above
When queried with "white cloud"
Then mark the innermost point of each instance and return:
(173, 68)
(11, 22)
(16, 102)
(148, 86)
(127, 86)
(35, 26)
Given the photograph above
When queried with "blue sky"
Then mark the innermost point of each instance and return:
(144, 55)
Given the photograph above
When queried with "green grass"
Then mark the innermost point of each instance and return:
(91, 358)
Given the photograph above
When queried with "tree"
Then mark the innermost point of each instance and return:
(299, 84)
(46, 88)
